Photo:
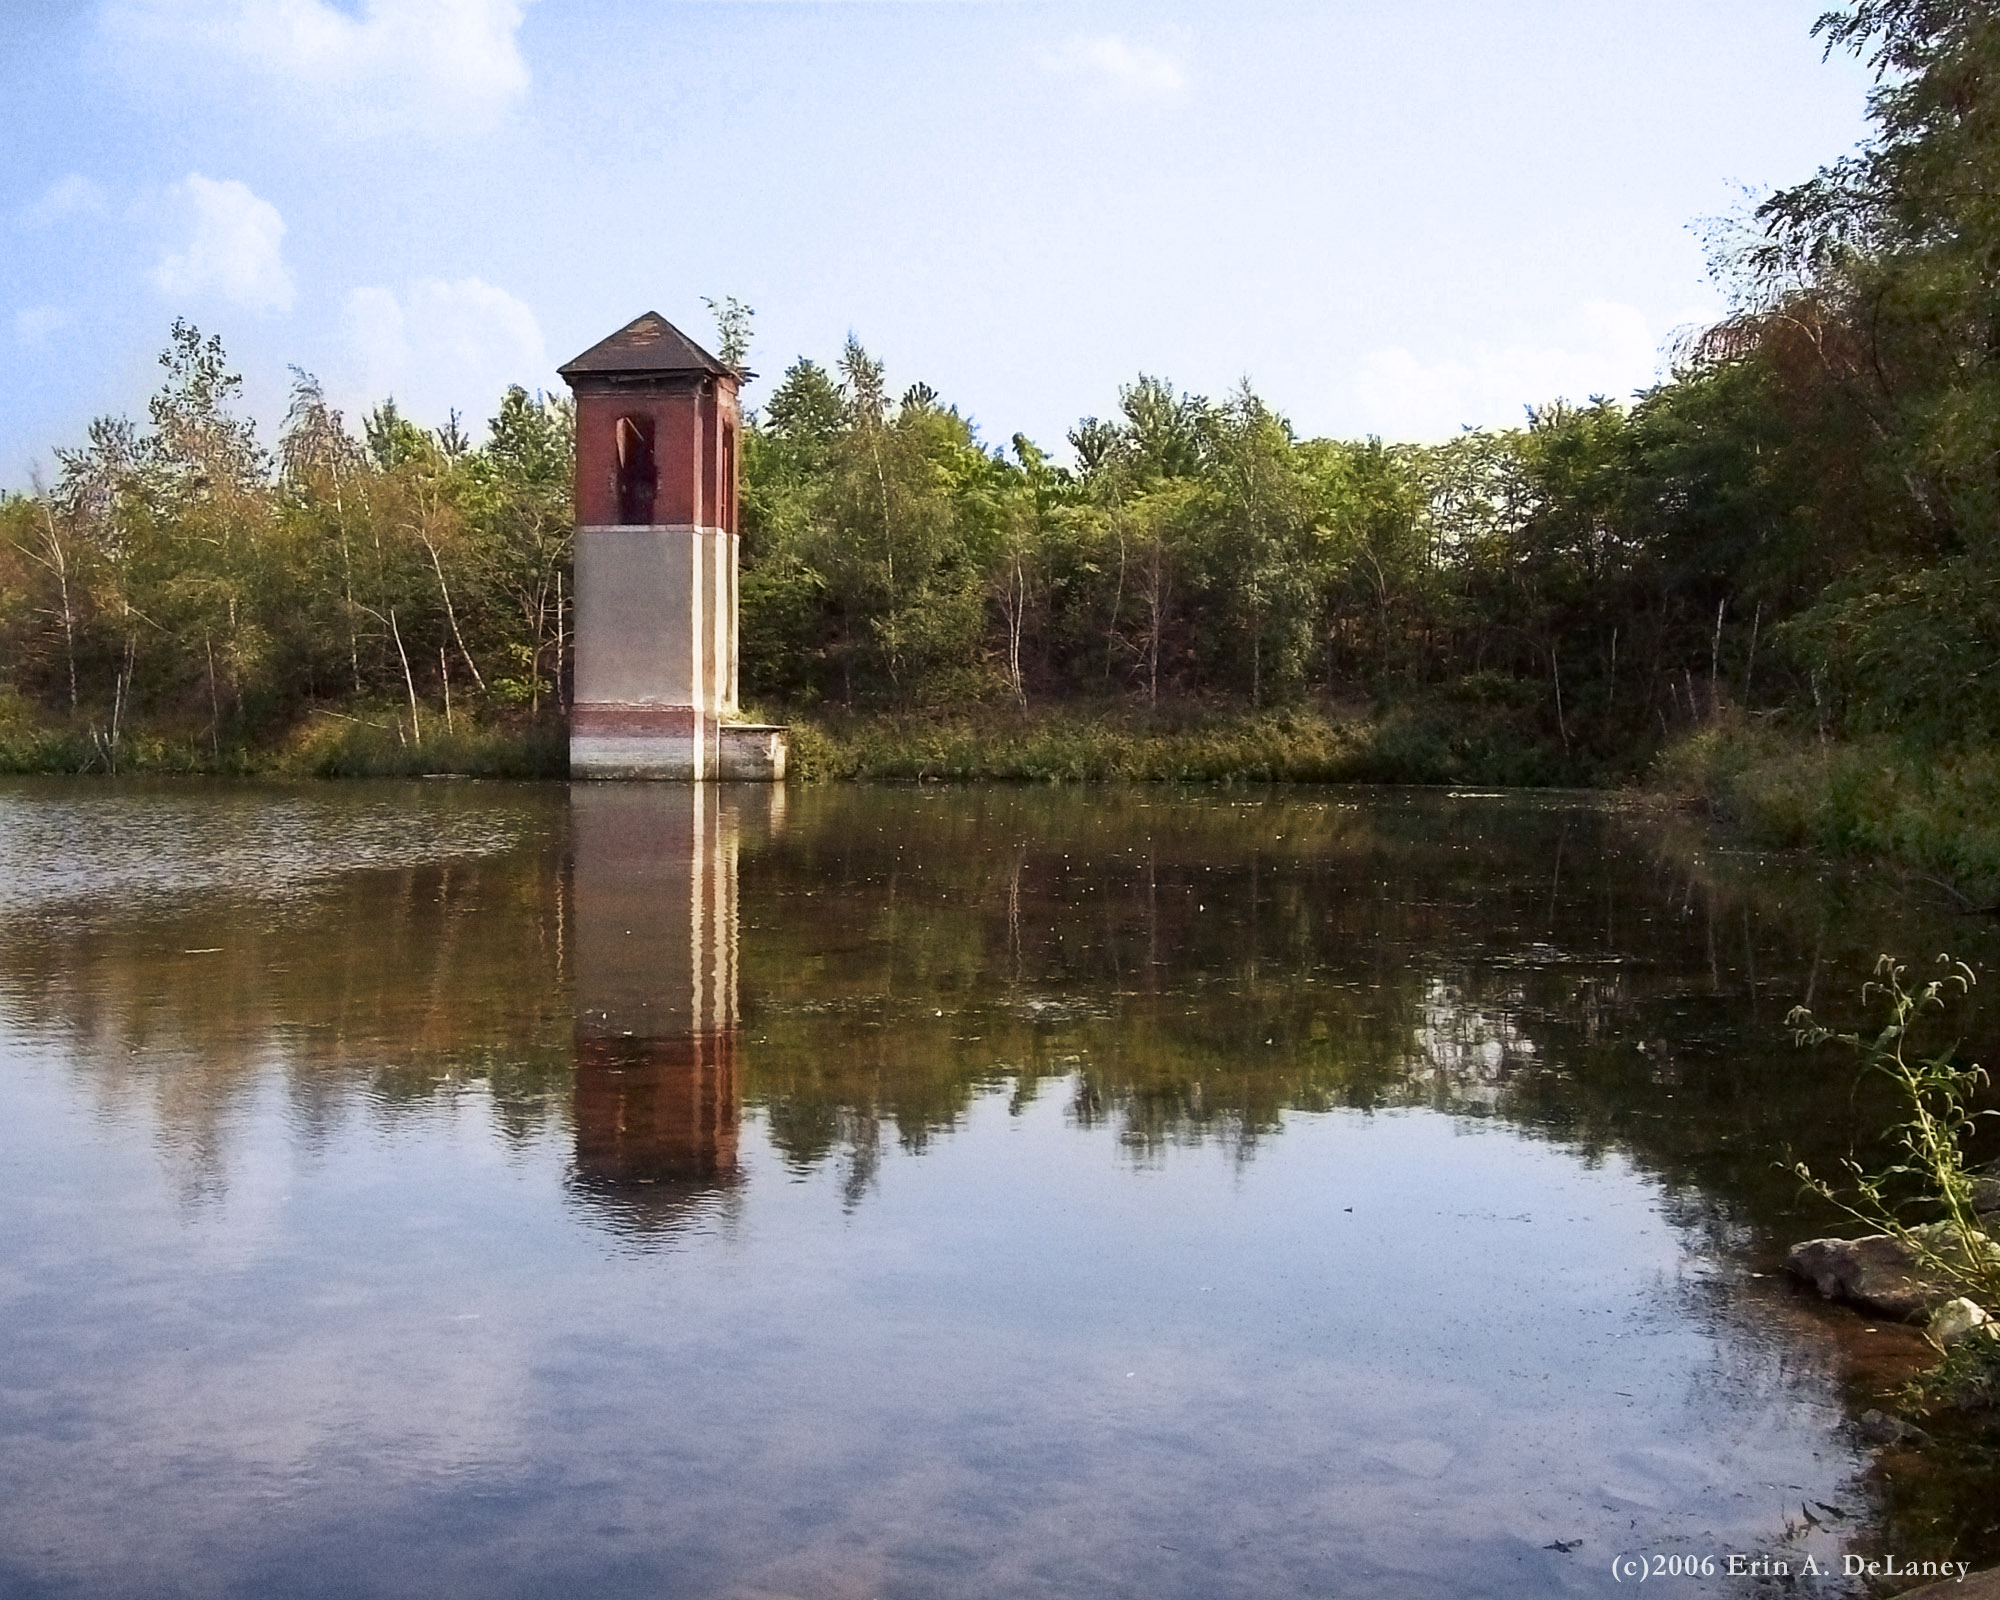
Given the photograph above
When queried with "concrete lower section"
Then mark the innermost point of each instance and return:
(656, 660)
(647, 607)
(676, 744)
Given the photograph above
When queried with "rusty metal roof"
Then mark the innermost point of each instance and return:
(645, 345)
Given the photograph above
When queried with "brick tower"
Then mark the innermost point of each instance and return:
(657, 427)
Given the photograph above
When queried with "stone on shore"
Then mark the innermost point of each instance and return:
(1973, 1586)
(1876, 1273)
(1953, 1321)
(1879, 1272)
(1879, 1427)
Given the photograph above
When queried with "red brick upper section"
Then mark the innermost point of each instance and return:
(678, 406)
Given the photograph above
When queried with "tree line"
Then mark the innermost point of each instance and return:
(1797, 524)
(179, 574)
(1199, 549)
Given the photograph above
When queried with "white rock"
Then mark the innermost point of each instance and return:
(1953, 1320)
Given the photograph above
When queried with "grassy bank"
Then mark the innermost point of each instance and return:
(1120, 742)
(353, 742)
(1936, 811)
(1414, 743)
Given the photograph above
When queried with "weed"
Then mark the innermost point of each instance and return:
(1941, 1094)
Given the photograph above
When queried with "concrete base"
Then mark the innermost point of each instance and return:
(674, 744)
(753, 752)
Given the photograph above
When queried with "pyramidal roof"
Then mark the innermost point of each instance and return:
(645, 344)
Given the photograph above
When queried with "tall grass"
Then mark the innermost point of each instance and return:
(360, 742)
(341, 745)
(1935, 810)
(1425, 742)
(1065, 744)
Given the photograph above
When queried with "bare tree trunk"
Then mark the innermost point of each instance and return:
(895, 631)
(1117, 603)
(1555, 672)
(451, 613)
(214, 706)
(121, 693)
(1017, 603)
(353, 633)
(57, 561)
(540, 622)
(444, 674)
(409, 682)
(561, 637)
(346, 577)
(1715, 657)
(1750, 667)
(1156, 601)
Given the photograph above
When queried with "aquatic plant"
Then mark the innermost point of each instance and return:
(1933, 1180)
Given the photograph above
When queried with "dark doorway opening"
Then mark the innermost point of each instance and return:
(638, 472)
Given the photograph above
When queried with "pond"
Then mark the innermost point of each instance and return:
(458, 1189)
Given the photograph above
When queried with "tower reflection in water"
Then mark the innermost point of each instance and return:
(653, 912)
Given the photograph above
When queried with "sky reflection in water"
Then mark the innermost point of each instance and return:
(476, 1190)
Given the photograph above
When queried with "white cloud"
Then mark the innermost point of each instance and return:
(34, 324)
(1109, 58)
(437, 64)
(1606, 349)
(440, 346)
(72, 196)
(236, 251)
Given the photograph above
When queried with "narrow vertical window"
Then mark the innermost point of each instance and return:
(638, 471)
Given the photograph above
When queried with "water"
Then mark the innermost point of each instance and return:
(445, 1189)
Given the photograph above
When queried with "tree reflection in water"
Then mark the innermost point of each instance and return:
(1183, 969)
(666, 1003)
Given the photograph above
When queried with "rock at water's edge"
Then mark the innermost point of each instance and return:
(1973, 1586)
(1875, 1272)
(1878, 1427)
(1955, 1320)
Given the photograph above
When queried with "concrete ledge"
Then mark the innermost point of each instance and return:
(672, 744)
(752, 752)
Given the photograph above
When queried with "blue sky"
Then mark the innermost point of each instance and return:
(1392, 218)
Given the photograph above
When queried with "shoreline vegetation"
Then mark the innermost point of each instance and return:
(1931, 811)
(1769, 585)
(1434, 742)
(1935, 814)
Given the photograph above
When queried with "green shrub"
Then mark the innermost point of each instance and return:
(1934, 810)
